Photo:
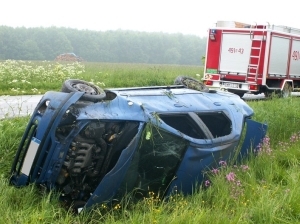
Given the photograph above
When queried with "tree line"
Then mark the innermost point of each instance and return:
(120, 46)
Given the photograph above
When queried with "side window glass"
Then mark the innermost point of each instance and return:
(217, 122)
(199, 125)
(185, 124)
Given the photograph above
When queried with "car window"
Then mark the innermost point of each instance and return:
(185, 124)
(199, 125)
(217, 122)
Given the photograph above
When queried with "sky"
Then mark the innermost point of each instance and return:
(193, 17)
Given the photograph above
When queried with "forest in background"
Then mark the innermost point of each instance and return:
(119, 46)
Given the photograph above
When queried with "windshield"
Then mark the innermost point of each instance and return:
(154, 164)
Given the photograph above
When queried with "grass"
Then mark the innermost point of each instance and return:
(283, 127)
(262, 189)
(27, 77)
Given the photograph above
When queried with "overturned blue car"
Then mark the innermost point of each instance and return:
(94, 146)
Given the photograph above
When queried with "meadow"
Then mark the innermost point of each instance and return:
(27, 77)
(262, 189)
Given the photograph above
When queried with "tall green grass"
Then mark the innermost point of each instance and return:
(261, 189)
(281, 114)
(27, 77)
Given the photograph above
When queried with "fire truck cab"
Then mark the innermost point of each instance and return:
(243, 58)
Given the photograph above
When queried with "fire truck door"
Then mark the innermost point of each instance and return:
(279, 55)
(235, 53)
(295, 59)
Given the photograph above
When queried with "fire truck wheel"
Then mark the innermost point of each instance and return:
(191, 83)
(91, 92)
(286, 91)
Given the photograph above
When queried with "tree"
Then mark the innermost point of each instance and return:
(172, 56)
(110, 46)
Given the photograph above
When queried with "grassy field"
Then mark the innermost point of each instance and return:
(263, 189)
(26, 77)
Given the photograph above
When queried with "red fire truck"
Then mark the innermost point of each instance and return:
(243, 58)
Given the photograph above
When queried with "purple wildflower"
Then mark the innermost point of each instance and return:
(215, 171)
(264, 146)
(294, 138)
(207, 183)
(223, 163)
(245, 167)
(230, 177)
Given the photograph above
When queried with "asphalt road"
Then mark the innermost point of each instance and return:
(16, 106)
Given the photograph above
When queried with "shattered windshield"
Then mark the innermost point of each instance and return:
(154, 164)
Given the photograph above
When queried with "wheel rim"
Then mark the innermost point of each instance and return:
(286, 92)
(85, 88)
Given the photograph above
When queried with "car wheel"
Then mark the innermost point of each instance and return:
(191, 83)
(91, 92)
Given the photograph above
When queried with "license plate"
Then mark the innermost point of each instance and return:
(231, 85)
(30, 155)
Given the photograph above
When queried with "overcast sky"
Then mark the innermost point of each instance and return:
(168, 16)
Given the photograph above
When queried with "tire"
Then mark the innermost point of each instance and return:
(91, 92)
(286, 91)
(191, 83)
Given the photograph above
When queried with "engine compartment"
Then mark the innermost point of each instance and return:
(91, 155)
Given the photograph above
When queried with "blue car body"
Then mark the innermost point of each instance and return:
(136, 139)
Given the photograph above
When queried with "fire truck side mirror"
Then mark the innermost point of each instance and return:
(212, 34)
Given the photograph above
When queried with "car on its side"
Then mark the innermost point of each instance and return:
(95, 146)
